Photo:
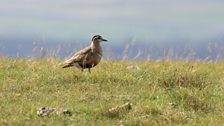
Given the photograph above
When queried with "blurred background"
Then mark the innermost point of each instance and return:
(136, 30)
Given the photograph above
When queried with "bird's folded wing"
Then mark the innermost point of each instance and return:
(79, 56)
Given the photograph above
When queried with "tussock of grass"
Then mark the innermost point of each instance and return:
(184, 77)
(161, 93)
(192, 101)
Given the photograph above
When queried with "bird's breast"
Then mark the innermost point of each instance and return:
(91, 62)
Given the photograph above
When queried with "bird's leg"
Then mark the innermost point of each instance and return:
(89, 70)
(83, 66)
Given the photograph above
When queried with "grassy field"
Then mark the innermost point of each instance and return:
(161, 93)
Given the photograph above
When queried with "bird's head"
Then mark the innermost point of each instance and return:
(98, 38)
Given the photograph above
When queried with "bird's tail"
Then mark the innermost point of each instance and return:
(66, 65)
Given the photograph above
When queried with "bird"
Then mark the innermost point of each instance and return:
(88, 57)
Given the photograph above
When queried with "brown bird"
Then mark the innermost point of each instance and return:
(87, 57)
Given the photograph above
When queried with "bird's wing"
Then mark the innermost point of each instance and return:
(81, 55)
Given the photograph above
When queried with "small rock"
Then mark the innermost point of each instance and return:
(46, 111)
(120, 123)
(67, 112)
(124, 107)
(133, 68)
(172, 104)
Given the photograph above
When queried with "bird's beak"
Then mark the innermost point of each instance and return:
(104, 40)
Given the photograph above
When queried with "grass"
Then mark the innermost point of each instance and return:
(161, 93)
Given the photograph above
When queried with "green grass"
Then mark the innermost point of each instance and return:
(162, 93)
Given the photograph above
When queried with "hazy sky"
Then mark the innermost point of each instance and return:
(153, 20)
